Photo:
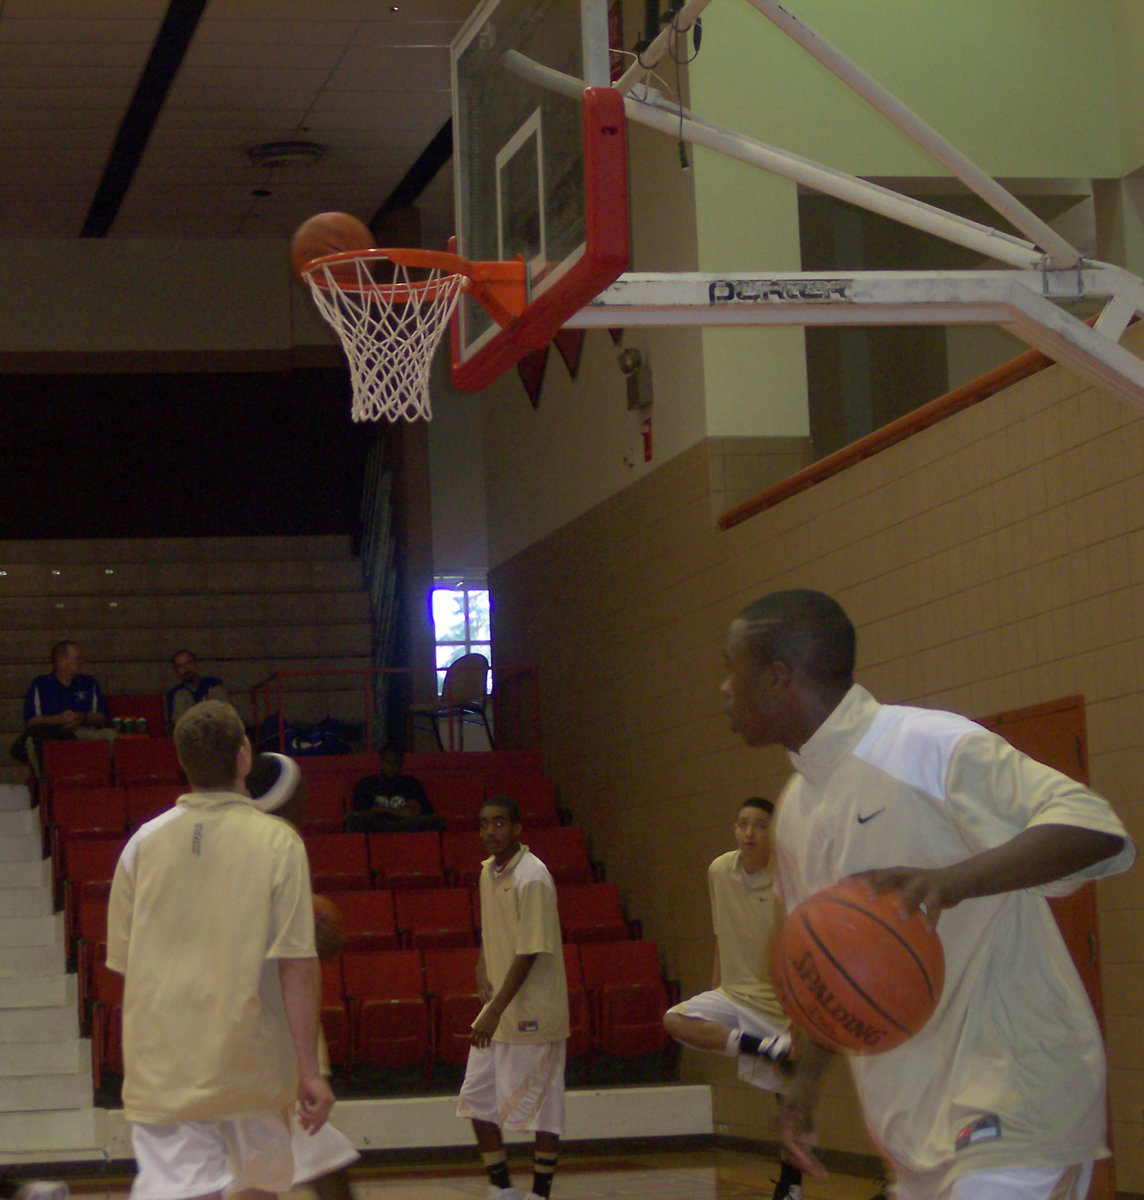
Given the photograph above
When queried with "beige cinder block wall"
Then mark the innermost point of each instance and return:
(993, 561)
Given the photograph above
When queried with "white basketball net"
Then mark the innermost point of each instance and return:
(389, 330)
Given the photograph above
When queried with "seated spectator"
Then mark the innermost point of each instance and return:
(192, 687)
(391, 802)
(62, 703)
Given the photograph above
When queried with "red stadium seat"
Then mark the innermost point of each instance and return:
(406, 860)
(386, 995)
(151, 706)
(591, 912)
(325, 805)
(434, 917)
(79, 810)
(140, 760)
(629, 997)
(147, 800)
(462, 853)
(534, 796)
(338, 861)
(563, 851)
(451, 983)
(456, 798)
(335, 1015)
(580, 1039)
(107, 1022)
(84, 761)
(369, 920)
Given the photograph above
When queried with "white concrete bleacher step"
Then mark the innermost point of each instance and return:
(20, 961)
(31, 931)
(46, 1098)
(14, 795)
(19, 822)
(63, 1135)
(33, 873)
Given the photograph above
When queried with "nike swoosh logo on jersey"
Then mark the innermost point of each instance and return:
(870, 816)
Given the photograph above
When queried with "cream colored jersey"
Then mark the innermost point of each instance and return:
(518, 916)
(1010, 1070)
(743, 912)
(206, 898)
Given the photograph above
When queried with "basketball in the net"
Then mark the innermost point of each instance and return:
(853, 973)
(329, 927)
(327, 233)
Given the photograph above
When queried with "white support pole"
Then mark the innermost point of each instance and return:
(663, 43)
(1056, 247)
(979, 238)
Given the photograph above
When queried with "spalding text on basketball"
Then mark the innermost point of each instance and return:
(835, 1009)
(777, 291)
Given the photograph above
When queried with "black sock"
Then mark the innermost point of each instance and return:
(496, 1164)
(788, 1175)
(749, 1044)
(543, 1168)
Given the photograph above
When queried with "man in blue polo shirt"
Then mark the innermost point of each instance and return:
(61, 703)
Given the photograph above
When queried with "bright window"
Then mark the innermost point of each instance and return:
(461, 622)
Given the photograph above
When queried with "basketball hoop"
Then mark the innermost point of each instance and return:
(390, 310)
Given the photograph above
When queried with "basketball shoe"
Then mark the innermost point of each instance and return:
(777, 1048)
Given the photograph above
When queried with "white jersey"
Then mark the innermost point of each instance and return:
(1010, 1070)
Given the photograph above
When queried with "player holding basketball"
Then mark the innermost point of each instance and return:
(211, 923)
(741, 1016)
(515, 1074)
(1001, 1095)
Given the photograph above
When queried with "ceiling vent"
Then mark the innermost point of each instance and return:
(285, 154)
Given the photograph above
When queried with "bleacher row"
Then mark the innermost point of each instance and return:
(392, 1009)
(407, 899)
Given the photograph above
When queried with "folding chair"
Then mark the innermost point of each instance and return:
(406, 860)
(434, 917)
(385, 991)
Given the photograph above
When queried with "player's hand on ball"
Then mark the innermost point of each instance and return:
(314, 1102)
(930, 890)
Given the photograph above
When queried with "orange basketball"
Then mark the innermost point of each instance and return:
(327, 233)
(329, 927)
(853, 974)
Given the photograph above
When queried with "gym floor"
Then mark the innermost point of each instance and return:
(711, 1174)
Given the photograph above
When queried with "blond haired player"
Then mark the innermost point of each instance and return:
(741, 1016)
(1001, 1095)
(514, 1078)
(211, 923)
